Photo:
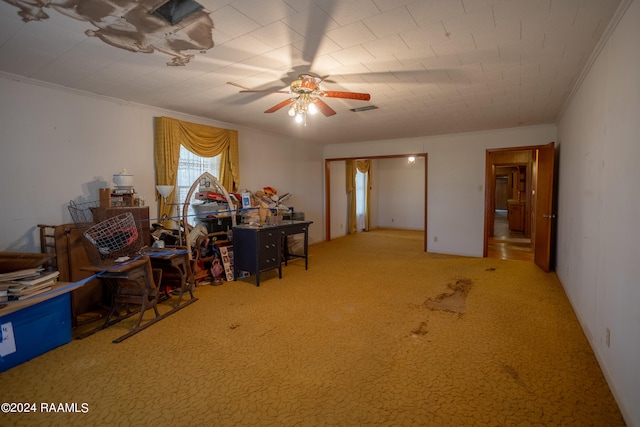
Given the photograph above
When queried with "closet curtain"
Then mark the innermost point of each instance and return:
(363, 166)
(205, 141)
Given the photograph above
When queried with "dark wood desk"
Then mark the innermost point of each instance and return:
(257, 249)
(292, 228)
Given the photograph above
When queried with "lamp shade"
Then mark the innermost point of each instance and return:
(164, 190)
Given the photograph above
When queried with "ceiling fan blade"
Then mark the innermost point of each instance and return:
(280, 105)
(324, 108)
(316, 26)
(347, 95)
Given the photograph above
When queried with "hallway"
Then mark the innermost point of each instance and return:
(507, 244)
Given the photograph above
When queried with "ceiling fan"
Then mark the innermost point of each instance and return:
(307, 99)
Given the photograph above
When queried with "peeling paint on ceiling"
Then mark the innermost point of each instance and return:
(130, 25)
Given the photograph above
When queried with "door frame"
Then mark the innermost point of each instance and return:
(490, 192)
(327, 187)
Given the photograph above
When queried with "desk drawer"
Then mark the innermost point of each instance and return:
(268, 244)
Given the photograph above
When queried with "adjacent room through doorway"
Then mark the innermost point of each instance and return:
(506, 243)
(511, 206)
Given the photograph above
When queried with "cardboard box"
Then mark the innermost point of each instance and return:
(34, 330)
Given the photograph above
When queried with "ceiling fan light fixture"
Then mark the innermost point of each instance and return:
(312, 108)
(307, 98)
(305, 84)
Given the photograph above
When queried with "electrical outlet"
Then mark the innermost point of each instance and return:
(435, 238)
(607, 337)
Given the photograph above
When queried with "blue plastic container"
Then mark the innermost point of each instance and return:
(38, 329)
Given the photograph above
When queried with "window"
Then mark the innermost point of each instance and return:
(190, 167)
(361, 197)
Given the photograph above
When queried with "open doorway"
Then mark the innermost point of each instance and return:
(391, 189)
(538, 203)
(510, 207)
(509, 236)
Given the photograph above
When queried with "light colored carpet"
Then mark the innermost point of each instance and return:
(376, 332)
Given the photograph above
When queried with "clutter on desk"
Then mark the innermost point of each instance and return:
(264, 206)
(209, 215)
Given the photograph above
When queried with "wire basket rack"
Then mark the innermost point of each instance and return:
(82, 213)
(115, 237)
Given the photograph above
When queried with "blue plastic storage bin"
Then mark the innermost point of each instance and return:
(38, 329)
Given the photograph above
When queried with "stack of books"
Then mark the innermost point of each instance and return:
(22, 284)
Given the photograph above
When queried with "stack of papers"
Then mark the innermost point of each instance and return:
(22, 284)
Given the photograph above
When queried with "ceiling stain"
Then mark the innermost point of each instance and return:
(130, 25)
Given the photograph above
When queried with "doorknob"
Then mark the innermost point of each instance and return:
(550, 216)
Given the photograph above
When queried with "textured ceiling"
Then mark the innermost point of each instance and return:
(431, 66)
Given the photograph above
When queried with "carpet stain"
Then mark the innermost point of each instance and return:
(453, 301)
(420, 330)
(513, 373)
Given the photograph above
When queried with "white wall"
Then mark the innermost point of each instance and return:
(456, 175)
(339, 216)
(288, 166)
(58, 145)
(400, 191)
(598, 209)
